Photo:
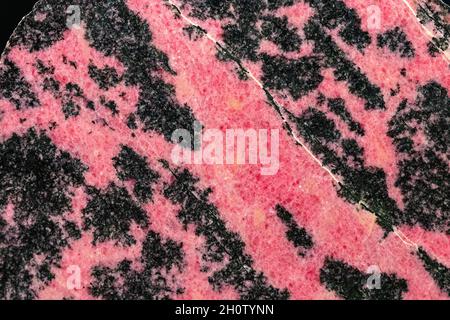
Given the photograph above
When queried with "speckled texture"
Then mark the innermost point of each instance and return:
(87, 182)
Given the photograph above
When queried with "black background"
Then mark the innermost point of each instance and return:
(10, 16)
(165, 310)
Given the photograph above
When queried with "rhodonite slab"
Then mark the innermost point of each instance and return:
(94, 205)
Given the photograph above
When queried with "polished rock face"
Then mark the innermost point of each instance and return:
(93, 203)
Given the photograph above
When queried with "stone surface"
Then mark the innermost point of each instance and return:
(93, 204)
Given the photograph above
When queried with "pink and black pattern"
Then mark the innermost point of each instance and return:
(87, 115)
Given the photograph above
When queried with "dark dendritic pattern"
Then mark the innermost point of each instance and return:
(278, 31)
(299, 237)
(334, 14)
(221, 245)
(44, 68)
(15, 88)
(424, 176)
(132, 166)
(71, 96)
(49, 83)
(110, 214)
(36, 178)
(396, 41)
(160, 258)
(337, 106)
(351, 284)
(439, 272)
(111, 105)
(105, 78)
(297, 76)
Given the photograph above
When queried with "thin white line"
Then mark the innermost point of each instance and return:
(405, 239)
(409, 6)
